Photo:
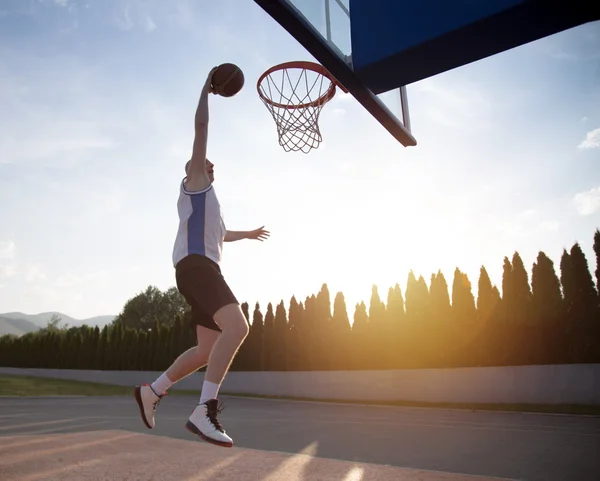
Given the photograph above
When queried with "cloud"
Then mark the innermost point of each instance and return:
(549, 226)
(587, 202)
(149, 24)
(579, 44)
(7, 271)
(592, 140)
(463, 105)
(134, 14)
(68, 280)
(36, 129)
(7, 250)
(34, 274)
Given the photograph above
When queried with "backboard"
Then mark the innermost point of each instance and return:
(322, 27)
(374, 48)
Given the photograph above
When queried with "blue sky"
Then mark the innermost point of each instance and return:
(96, 124)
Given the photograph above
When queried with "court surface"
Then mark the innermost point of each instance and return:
(103, 438)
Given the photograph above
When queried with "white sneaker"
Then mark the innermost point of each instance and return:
(203, 422)
(148, 401)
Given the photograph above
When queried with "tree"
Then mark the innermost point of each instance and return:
(521, 295)
(54, 324)
(597, 252)
(340, 333)
(255, 340)
(243, 362)
(270, 340)
(486, 298)
(378, 343)
(581, 301)
(395, 320)
(511, 342)
(312, 329)
(151, 306)
(440, 332)
(360, 329)
(295, 353)
(546, 311)
(321, 333)
(464, 319)
(280, 328)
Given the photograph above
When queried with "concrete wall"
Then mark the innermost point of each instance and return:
(557, 384)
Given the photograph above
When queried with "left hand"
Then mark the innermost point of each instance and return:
(259, 234)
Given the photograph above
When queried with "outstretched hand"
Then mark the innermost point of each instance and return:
(259, 234)
(209, 85)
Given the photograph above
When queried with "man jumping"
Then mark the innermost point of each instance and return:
(220, 324)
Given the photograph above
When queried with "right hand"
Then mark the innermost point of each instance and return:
(209, 84)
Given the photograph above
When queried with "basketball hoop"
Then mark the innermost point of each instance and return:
(288, 90)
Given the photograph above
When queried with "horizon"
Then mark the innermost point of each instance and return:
(97, 116)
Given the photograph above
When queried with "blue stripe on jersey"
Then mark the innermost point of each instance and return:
(196, 223)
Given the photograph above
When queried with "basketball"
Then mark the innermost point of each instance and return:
(228, 80)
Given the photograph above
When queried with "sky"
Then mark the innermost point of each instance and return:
(96, 124)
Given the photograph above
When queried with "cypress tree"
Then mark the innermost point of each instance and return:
(414, 305)
(321, 334)
(582, 305)
(522, 291)
(464, 320)
(395, 316)
(441, 321)
(360, 329)
(340, 334)
(377, 345)
(597, 252)
(256, 339)
(546, 311)
(312, 330)
(293, 353)
(269, 339)
(280, 328)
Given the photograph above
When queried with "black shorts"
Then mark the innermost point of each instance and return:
(201, 283)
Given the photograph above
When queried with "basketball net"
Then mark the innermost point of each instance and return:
(295, 93)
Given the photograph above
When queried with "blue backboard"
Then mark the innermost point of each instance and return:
(374, 48)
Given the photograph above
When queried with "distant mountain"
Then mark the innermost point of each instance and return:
(19, 323)
(17, 327)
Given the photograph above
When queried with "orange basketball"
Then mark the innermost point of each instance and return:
(228, 80)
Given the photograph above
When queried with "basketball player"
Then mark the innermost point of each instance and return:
(219, 322)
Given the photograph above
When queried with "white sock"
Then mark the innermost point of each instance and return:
(209, 391)
(161, 385)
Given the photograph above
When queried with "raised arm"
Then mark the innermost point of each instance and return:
(197, 178)
(236, 235)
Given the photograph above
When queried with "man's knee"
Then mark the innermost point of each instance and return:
(232, 321)
(206, 338)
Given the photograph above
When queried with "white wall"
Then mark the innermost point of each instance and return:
(557, 384)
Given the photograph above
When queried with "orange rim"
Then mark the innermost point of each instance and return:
(315, 67)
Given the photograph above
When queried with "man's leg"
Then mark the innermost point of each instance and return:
(232, 322)
(189, 362)
(148, 396)
(203, 420)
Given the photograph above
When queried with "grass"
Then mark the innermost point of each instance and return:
(39, 386)
(593, 410)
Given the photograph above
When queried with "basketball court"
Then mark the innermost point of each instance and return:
(102, 438)
(111, 455)
(373, 49)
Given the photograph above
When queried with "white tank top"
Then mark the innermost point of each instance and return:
(201, 225)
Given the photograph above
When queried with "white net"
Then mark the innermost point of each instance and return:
(295, 96)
